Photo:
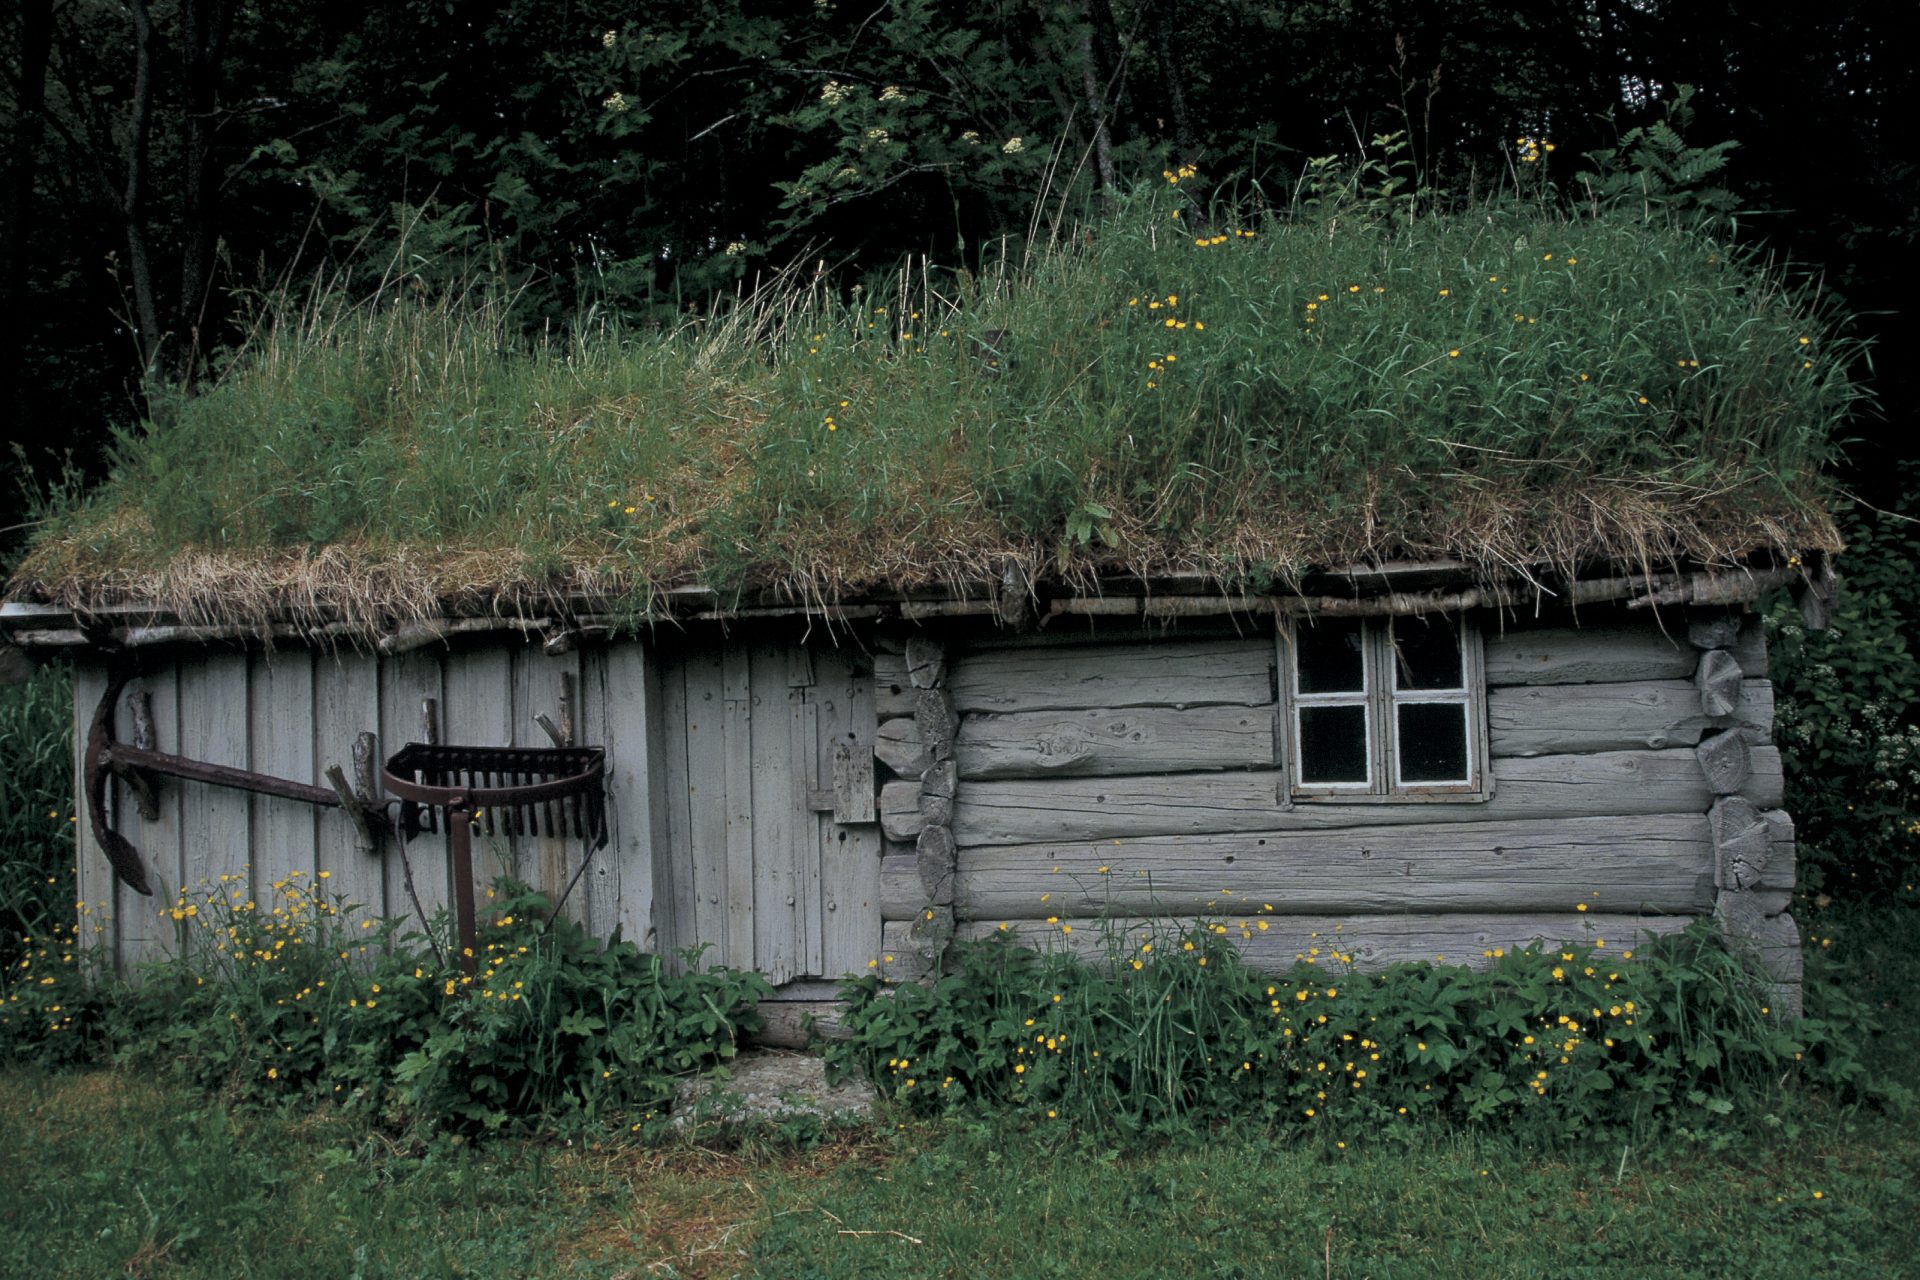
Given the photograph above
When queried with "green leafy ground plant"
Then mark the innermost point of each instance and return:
(36, 807)
(1170, 1031)
(297, 996)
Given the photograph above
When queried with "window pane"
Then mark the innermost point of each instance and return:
(1333, 744)
(1432, 742)
(1329, 654)
(1426, 653)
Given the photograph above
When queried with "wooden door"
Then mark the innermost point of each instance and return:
(772, 856)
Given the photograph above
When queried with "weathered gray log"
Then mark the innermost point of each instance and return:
(929, 933)
(898, 745)
(1719, 680)
(1742, 843)
(852, 784)
(1545, 787)
(1767, 785)
(936, 811)
(1658, 863)
(1713, 628)
(1176, 673)
(1778, 875)
(935, 855)
(893, 691)
(1726, 760)
(1373, 942)
(900, 892)
(1599, 654)
(1103, 741)
(900, 817)
(1815, 594)
(933, 712)
(785, 1024)
(1537, 720)
(926, 663)
(1750, 647)
(941, 779)
(1773, 943)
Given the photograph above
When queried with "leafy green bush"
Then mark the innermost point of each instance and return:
(296, 996)
(36, 808)
(1172, 1030)
(1848, 719)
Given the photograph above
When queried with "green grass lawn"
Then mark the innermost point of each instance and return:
(109, 1173)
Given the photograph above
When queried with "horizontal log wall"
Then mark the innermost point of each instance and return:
(1368, 941)
(1138, 780)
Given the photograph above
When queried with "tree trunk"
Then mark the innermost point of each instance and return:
(205, 23)
(1097, 109)
(1186, 145)
(133, 200)
(36, 50)
(23, 168)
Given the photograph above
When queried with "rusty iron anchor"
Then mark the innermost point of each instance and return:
(137, 765)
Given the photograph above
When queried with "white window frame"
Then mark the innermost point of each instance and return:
(1381, 701)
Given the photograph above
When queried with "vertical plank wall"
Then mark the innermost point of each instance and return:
(717, 763)
(1134, 780)
(292, 712)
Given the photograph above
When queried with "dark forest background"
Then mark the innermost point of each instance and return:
(167, 164)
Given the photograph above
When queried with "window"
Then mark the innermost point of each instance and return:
(1380, 709)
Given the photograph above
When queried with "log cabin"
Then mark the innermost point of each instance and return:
(1419, 761)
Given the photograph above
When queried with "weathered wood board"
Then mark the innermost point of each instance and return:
(547, 860)
(675, 909)
(145, 933)
(1104, 741)
(849, 851)
(346, 703)
(1539, 720)
(406, 682)
(479, 712)
(1176, 674)
(215, 822)
(1373, 942)
(761, 786)
(1658, 863)
(95, 889)
(1031, 811)
(280, 729)
(620, 696)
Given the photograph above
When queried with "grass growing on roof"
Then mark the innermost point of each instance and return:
(1511, 383)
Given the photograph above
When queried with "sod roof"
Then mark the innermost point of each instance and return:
(1515, 389)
